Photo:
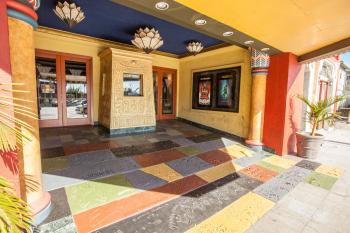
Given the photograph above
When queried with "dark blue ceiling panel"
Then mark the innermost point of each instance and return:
(111, 21)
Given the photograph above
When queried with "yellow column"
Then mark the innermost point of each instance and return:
(259, 65)
(22, 56)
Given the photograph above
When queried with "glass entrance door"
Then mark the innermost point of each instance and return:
(63, 89)
(164, 83)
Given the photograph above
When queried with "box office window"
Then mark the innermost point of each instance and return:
(217, 90)
(132, 84)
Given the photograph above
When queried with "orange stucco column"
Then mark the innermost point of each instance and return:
(22, 60)
(259, 66)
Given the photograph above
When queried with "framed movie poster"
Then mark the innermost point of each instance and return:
(204, 91)
(225, 91)
(217, 90)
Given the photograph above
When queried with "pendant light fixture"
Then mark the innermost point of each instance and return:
(69, 12)
(194, 47)
(147, 39)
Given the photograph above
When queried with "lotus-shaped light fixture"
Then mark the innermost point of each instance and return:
(147, 39)
(69, 12)
(194, 47)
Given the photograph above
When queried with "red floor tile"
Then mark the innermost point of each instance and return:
(68, 150)
(115, 211)
(149, 159)
(215, 157)
(259, 173)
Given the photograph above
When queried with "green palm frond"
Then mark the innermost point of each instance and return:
(15, 214)
(318, 111)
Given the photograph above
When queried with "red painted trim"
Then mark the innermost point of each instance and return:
(22, 8)
(5, 62)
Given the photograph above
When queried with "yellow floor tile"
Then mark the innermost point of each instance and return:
(237, 217)
(238, 151)
(218, 172)
(163, 171)
(330, 171)
(280, 162)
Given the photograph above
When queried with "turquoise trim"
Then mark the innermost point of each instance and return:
(23, 17)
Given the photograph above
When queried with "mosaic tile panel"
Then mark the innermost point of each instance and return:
(237, 217)
(185, 212)
(258, 173)
(188, 165)
(321, 180)
(163, 171)
(91, 194)
(215, 157)
(280, 185)
(308, 164)
(144, 181)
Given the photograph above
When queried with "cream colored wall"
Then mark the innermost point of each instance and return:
(67, 43)
(234, 123)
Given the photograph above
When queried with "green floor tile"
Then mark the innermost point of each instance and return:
(54, 164)
(189, 150)
(270, 166)
(321, 180)
(90, 194)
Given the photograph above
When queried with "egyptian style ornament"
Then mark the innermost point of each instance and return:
(147, 39)
(24, 10)
(194, 47)
(70, 13)
(260, 61)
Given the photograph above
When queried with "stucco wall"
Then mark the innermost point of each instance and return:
(234, 123)
(54, 40)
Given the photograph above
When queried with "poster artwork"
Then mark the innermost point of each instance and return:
(204, 88)
(225, 92)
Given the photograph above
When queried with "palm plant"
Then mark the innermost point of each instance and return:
(318, 111)
(15, 214)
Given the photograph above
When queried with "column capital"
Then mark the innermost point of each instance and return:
(260, 61)
(24, 10)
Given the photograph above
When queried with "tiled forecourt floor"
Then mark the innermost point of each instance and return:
(186, 180)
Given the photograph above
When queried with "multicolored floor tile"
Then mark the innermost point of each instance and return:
(215, 157)
(238, 151)
(329, 171)
(189, 150)
(321, 180)
(280, 162)
(259, 173)
(91, 194)
(308, 164)
(237, 217)
(270, 166)
(53, 164)
(144, 181)
(163, 171)
(146, 160)
(188, 165)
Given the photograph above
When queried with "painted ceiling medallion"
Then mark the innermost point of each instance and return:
(147, 39)
(70, 13)
(194, 47)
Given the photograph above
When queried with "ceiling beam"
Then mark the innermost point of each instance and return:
(326, 51)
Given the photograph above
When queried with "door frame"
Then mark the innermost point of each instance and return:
(160, 71)
(61, 81)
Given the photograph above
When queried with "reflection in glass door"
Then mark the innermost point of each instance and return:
(63, 84)
(164, 83)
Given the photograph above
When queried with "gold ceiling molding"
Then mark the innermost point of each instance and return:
(118, 45)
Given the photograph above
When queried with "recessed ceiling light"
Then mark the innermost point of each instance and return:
(265, 49)
(249, 42)
(162, 6)
(200, 22)
(228, 33)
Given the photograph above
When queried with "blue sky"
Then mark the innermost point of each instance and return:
(346, 58)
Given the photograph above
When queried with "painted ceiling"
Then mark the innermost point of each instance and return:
(110, 21)
(297, 26)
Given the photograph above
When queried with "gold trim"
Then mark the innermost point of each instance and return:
(119, 45)
(108, 43)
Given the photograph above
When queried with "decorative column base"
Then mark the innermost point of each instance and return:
(254, 144)
(41, 208)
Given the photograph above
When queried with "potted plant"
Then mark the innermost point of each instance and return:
(15, 213)
(309, 143)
